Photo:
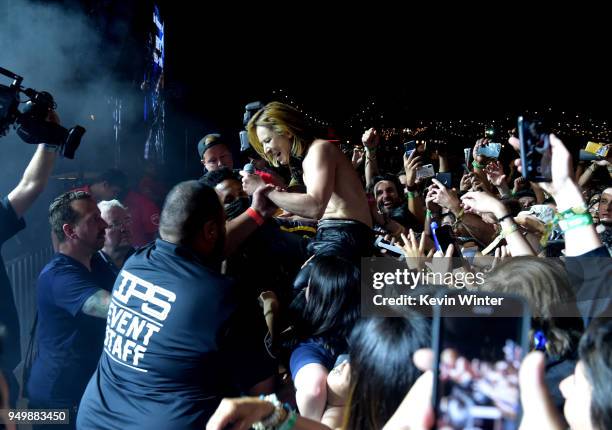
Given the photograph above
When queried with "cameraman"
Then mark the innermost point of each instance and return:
(12, 208)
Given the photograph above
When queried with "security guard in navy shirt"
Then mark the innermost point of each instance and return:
(179, 335)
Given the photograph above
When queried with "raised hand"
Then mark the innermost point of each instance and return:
(370, 138)
(495, 173)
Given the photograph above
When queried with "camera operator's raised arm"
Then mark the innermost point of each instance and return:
(35, 177)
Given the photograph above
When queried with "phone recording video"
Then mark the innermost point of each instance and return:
(409, 147)
(478, 354)
(445, 178)
(490, 150)
(536, 155)
(425, 172)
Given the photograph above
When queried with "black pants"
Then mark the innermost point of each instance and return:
(338, 237)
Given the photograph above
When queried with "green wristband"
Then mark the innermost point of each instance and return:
(428, 213)
(410, 195)
(572, 222)
(477, 165)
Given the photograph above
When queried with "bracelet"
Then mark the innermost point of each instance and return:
(575, 221)
(509, 215)
(576, 210)
(255, 216)
(428, 213)
(508, 231)
(410, 195)
(476, 164)
(273, 420)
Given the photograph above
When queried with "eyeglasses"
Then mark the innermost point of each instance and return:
(120, 225)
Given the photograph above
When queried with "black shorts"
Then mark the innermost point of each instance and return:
(341, 238)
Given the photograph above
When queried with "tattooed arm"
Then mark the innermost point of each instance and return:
(97, 304)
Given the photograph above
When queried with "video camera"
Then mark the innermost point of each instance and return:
(32, 125)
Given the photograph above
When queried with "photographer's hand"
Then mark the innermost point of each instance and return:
(35, 176)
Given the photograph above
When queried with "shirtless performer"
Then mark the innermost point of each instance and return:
(334, 194)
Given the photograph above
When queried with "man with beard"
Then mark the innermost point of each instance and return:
(393, 214)
(73, 299)
(180, 335)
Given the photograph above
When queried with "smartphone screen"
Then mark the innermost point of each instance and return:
(426, 171)
(536, 155)
(477, 363)
(445, 178)
(446, 237)
(409, 147)
(490, 150)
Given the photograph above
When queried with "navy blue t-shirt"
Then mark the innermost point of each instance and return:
(177, 341)
(10, 225)
(69, 343)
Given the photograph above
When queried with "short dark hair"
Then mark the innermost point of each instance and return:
(595, 352)
(525, 193)
(215, 177)
(387, 177)
(61, 211)
(114, 178)
(188, 206)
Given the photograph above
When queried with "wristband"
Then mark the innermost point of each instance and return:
(576, 210)
(410, 195)
(477, 165)
(428, 213)
(575, 221)
(255, 216)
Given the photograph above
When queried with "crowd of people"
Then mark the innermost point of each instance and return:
(237, 303)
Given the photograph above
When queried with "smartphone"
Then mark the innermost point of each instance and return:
(490, 150)
(476, 376)
(597, 149)
(383, 244)
(426, 171)
(536, 155)
(409, 147)
(444, 236)
(445, 178)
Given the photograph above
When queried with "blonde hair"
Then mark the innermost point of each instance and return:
(283, 120)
